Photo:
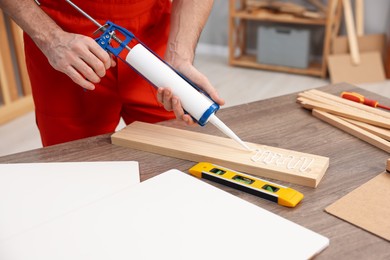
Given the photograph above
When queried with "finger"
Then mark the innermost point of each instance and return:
(96, 58)
(164, 96)
(85, 70)
(205, 84)
(177, 108)
(95, 64)
(201, 81)
(160, 95)
(167, 99)
(101, 54)
(179, 112)
(113, 62)
(188, 119)
(78, 79)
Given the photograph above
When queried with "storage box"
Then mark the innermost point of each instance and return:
(283, 46)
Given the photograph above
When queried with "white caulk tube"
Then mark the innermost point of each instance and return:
(194, 102)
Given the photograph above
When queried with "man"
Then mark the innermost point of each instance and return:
(63, 62)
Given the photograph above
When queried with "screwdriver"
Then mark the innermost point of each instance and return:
(353, 96)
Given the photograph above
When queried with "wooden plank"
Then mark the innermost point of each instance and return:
(320, 6)
(387, 59)
(388, 165)
(16, 108)
(266, 15)
(353, 130)
(381, 132)
(17, 35)
(8, 75)
(350, 103)
(353, 112)
(314, 68)
(331, 19)
(351, 32)
(359, 17)
(264, 161)
(310, 104)
(5, 95)
(1, 92)
(350, 109)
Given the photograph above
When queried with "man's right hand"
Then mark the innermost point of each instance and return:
(79, 57)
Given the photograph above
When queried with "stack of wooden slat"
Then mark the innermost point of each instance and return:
(367, 123)
(287, 7)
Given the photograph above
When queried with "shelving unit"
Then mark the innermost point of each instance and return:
(239, 16)
(15, 90)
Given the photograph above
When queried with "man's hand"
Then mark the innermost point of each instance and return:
(79, 57)
(172, 103)
(188, 18)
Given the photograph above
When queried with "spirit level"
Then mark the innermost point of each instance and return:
(267, 190)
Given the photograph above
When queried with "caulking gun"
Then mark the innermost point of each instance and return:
(194, 101)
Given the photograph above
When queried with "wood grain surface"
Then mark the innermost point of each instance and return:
(264, 161)
(278, 122)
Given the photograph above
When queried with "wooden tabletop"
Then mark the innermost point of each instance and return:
(278, 122)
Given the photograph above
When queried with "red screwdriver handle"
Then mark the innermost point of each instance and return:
(356, 97)
(353, 97)
(370, 102)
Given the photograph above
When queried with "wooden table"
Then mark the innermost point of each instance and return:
(278, 122)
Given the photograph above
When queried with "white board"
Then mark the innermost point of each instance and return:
(171, 216)
(34, 193)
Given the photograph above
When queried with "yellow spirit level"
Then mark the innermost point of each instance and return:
(267, 190)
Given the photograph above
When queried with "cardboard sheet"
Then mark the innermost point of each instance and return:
(370, 68)
(171, 216)
(367, 207)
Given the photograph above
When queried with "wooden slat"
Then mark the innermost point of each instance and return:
(387, 59)
(13, 103)
(381, 132)
(388, 165)
(310, 104)
(271, 162)
(265, 15)
(353, 130)
(5, 95)
(16, 108)
(320, 6)
(8, 75)
(351, 103)
(314, 68)
(347, 109)
(17, 35)
(359, 17)
(351, 32)
(331, 18)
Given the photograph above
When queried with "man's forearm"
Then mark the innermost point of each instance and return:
(31, 18)
(78, 56)
(187, 21)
